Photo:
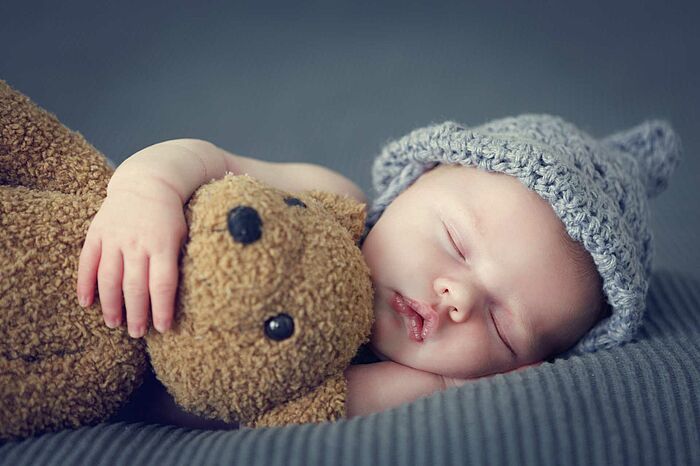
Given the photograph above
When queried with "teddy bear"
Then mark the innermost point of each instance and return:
(273, 299)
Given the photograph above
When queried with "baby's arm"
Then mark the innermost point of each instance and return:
(383, 385)
(132, 245)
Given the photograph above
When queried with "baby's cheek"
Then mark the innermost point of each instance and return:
(379, 326)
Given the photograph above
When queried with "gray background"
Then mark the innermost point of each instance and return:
(330, 82)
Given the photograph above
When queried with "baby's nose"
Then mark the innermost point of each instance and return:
(244, 224)
(457, 298)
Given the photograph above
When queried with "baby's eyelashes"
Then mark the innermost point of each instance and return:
(451, 237)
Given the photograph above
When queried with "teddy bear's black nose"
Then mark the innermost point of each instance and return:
(244, 224)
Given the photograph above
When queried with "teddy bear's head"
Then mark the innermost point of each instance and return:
(274, 298)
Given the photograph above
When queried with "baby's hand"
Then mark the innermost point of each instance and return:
(132, 245)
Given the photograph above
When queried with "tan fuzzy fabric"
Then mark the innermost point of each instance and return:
(60, 366)
(306, 265)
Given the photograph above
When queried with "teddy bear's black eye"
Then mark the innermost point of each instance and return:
(292, 201)
(279, 327)
(244, 224)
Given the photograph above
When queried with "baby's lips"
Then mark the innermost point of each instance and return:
(429, 315)
(423, 318)
(414, 324)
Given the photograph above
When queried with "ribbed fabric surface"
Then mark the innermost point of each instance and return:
(637, 404)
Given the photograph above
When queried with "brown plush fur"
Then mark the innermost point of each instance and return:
(60, 366)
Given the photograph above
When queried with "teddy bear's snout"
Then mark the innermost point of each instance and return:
(244, 224)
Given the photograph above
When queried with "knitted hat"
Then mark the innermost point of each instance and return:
(598, 188)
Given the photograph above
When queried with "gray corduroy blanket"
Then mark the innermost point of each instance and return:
(637, 404)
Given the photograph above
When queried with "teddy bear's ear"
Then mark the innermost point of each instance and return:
(37, 151)
(347, 211)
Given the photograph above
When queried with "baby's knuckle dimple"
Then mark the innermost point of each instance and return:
(133, 244)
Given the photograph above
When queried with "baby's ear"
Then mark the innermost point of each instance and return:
(346, 210)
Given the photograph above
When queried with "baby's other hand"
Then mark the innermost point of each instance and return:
(131, 249)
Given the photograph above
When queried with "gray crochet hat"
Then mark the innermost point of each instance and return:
(598, 188)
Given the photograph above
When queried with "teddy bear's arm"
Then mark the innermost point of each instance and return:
(326, 403)
(60, 366)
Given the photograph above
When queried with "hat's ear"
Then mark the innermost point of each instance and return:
(655, 146)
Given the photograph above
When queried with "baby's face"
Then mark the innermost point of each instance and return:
(482, 259)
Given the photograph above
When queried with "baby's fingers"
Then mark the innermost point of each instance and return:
(109, 285)
(163, 285)
(135, 286)
(87, 271)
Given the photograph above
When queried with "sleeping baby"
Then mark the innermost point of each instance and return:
(490, 248)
